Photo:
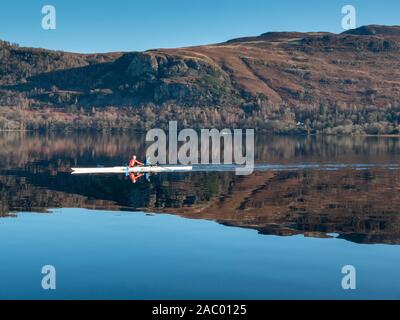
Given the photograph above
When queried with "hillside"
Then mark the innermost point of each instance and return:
(281, 82)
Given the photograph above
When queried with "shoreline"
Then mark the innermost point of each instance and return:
(114, 131)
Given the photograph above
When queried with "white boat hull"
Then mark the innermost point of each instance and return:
(144, 169)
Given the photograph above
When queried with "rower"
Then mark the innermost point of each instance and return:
(134, 162)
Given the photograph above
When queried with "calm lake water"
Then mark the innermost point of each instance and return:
(312, 206)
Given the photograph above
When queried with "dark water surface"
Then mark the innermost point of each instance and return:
(313, 205)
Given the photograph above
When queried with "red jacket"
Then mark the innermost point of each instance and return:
(134, 162)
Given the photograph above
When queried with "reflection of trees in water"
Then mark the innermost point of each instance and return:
(327, 148)
(359, 205)
(18, 194)
(362, 206)
(18, 149)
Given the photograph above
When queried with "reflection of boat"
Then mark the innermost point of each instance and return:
(144, 169)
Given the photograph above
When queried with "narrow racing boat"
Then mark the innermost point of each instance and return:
(136, 169)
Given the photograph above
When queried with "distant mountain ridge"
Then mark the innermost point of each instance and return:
(355, 69)
(375, 30)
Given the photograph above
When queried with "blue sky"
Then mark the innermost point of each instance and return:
(129, 25)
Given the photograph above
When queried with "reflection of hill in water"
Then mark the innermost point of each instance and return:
(361, 206)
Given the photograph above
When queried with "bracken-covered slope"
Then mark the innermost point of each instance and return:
(358, 67)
